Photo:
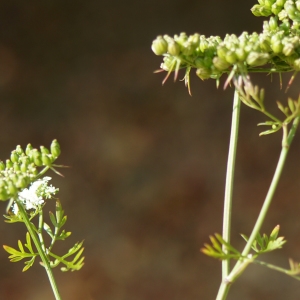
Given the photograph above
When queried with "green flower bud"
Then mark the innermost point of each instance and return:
(159, 46)
(194, 39)
(276, 46)
(269, 3)
(44, 150)
(12, 189)
(16, 167)
(241, 54)
(280, 2)
(261, 11)
(24, 167)
(3, 194)
(273, 23)
(2, 166)
(256, 59)
(290, 8)
(282, 15)
(55, 149)
(276, 9)
(188, 49)
(264, 44)
(203, 45)
(207, 61)
(231, 57)
(37, 158)
(19, 150)
(13, 177)
(28, 149)
(14, 157)
(46, 160)
(173, 48)
(296, 64)
(9, 164)
(199, 62)
(203, 73)
(288, 49)
(181, 39)
(222, 51)
(220, 64)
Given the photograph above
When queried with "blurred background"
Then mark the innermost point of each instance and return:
(147, 163)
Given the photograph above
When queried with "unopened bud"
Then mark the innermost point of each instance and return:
(277, 46)
(9, 164)
(261, 11)
(2, 166)
(288, 49)
(14, 157)
(173, 48)
(203, 73)
(44, 150)
(37, 157)
(159, 46)
(220, 64)
(28, 149)
(273, 23)
(12, 189)
(55, 149)
(46, 160)
(256, 59)
(16, 167)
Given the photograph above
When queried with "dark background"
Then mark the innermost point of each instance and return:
(145, 187)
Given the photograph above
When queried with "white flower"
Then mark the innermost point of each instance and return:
(33, 196)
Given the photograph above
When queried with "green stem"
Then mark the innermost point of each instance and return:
(276, 268)
(230, 179)
(39, 249)
(242, 264)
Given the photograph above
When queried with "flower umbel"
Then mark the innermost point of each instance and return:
(34, 196)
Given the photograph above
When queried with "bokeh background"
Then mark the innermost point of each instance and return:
(145, 187)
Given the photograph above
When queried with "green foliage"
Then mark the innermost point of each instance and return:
(58, 220)
(19, 255)
(264, 243)
(220, 249)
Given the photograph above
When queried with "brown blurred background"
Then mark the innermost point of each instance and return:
(145, 187)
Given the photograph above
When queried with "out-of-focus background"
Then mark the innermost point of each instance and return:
(145, 187)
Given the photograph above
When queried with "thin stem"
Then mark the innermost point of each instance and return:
(40, 229)
(40, 250)
(243, 263)
(276, 268)
(230, 179)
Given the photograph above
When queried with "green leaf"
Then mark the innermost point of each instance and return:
(21, 246)
(59, 212)
(48, 230)
(28, 243)
(28, 264)
(52, 218)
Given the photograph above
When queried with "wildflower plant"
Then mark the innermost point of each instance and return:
(275, 50)
(27, 191)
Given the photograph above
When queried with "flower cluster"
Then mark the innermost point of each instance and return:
(33, 196)
(22, 168)
(275, 49)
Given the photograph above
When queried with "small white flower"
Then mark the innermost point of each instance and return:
(33, 196)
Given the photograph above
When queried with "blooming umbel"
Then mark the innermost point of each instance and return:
(34, 196)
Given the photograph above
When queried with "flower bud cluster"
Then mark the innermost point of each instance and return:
(278, 45)
(21, 169)
(285, 10)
